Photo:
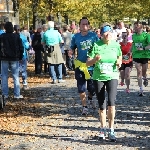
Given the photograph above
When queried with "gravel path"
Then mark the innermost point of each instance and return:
(56, 123)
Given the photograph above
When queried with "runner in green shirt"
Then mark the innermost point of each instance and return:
(106, 55)
(141, 54)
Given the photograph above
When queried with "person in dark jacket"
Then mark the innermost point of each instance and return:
(1, 31)
(38, 48)
(11, 52)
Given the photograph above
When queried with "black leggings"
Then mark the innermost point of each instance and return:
(111, 88)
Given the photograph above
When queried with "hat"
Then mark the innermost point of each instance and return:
(106, 29)
(16, 27)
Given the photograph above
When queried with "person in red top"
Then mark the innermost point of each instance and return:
(127, 63)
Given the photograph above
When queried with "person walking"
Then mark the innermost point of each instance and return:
(52, 39)
(106, 55)
(11, 52)
(83, 41)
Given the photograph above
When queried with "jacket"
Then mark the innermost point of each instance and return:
(36, 42)
(26, 45)
(11, 47)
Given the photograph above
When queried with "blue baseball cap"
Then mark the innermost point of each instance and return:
(106, 29)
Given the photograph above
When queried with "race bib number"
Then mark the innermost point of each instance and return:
(106, 68)
(125, 58)
(139, 45)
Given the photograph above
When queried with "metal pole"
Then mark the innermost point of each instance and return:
(7, 6)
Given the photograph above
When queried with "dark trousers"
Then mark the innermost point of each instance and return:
(38, 62)
(64, 72)
(69, 61)
(111, 88)
(46, 67)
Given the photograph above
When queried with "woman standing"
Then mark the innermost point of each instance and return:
(107, 57)
(127, 63)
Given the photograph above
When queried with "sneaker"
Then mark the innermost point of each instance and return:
(102, 134)
(85, 111)
(141, 94)
(25, 87)
(111, 136)
(18, 97)
(122, 83)
(61, 81)
(145, 82)
(127, 90)
(54, 82)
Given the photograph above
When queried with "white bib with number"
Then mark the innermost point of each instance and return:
(106, 68)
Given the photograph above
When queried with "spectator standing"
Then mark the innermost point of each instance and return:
(52, 39)
(38, 48)
(67, 36)
(1, 32)
(23, 63)
(11, 52)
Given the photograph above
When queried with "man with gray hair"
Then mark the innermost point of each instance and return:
(52, 39)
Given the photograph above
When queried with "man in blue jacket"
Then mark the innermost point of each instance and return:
(23, 63)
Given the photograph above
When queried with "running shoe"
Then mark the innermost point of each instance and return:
(127, 90)
(102, 134)
(141, 93)
(85, 111)
(122, 83)
(145, 82)
(111, 136)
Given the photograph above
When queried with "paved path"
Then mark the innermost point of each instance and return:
(56, 122)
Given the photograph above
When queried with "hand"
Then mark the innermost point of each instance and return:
(97, 58)
(118, 63)
(70, 53)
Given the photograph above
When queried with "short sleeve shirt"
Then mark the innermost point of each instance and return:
(105, 69)
(83, 44)
(140, 41)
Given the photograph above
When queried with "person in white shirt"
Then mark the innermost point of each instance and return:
(67, 36)
(121, 28)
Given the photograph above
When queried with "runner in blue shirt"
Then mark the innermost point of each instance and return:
(83, 41)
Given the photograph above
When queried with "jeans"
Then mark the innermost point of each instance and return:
(56, 71)
(14, 65)
(24, 71)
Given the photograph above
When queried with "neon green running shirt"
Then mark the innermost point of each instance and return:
(105, 69)
(140, 41)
